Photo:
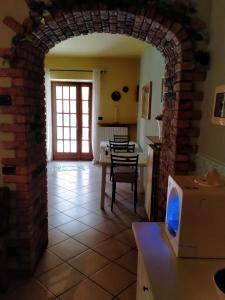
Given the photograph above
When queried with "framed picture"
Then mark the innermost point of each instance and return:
(146, 98)
(218, 113)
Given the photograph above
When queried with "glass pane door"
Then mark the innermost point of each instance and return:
(71, 121)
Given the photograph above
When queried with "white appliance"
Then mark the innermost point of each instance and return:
(195, 217)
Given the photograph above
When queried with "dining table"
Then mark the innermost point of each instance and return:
(105, 161)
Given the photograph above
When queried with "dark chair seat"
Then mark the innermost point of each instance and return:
(124, 168)
(123, 176)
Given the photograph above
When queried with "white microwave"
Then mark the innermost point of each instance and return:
(195, 218)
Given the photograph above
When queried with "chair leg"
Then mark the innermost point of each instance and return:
(110, 176)
(135, 197)
(113, 194)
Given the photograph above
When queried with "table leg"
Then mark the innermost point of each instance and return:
(103, 186)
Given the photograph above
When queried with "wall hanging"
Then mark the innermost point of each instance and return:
(125, 89)
(146, 97)
(218, 113)
(116, 96)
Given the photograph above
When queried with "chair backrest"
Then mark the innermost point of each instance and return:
(125, 161)
(118, 146)
(121, 147)
(131, 148)
(120, 138)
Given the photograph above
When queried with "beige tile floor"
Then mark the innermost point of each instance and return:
(91, 253)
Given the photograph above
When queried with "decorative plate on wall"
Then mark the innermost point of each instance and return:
(116, 96)
(125, 89)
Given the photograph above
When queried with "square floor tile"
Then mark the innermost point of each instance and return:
(113, 278)
(91, 237)
(110, 227)
(129, 261)
(53, 199)
(126, 237)
(111, 248)
(76, 212)
(106, 212)
(68, 249)
(66, 195)
(92, 219)
(59, 186)
(56, 236)
(62, 206)
(48, 261)
(79, 200)
(24, 292)
(60, 279)
(86, 290)
(52, 211)
(73, 228)
(128, 294)
(142, 212)
(126, 219)
(88, 262)
(59, 219)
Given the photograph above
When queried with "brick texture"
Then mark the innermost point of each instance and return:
(28, 228)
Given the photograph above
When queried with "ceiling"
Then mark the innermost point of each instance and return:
(101, 45)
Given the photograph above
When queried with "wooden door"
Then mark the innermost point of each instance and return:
(71, 109)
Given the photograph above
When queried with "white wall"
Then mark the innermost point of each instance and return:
(212, 138)
(152, 68)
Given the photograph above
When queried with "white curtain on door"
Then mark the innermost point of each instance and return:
(48, 100)
(95, 114)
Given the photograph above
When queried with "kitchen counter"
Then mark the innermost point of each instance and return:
(169, 277)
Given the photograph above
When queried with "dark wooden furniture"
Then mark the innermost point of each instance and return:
(121, 147)
(124, 169)
(120, 138)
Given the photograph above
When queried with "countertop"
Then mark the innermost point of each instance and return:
(173, 278)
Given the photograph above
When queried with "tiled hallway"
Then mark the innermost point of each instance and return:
(91, 253)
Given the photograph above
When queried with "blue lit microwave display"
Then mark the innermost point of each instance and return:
(193, 215)
(173, 212)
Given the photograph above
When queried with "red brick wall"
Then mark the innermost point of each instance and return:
(28, 235)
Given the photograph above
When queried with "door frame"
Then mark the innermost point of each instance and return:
(79, 155)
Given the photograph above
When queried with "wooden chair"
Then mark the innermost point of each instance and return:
(120, 138)
(124, 168)
(121, 147)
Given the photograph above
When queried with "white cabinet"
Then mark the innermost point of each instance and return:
(143, 286)
(163, 276)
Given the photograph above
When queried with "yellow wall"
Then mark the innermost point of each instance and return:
(119, 72)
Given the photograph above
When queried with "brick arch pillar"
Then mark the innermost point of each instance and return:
(25, 167)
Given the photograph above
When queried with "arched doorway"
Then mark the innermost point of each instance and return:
(27, 165)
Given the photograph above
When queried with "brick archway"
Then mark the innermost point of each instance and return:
(25, 167)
